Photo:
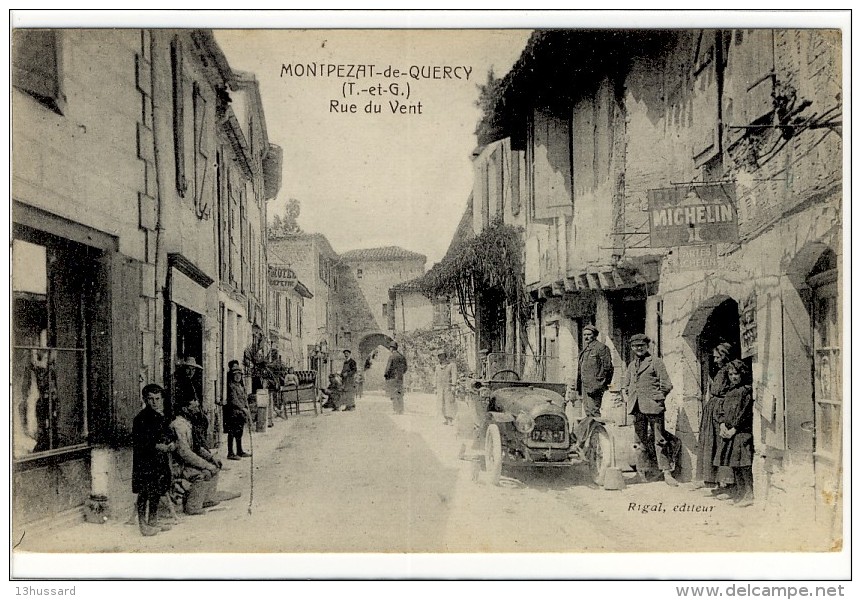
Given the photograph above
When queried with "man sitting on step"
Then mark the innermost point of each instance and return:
(193, 462)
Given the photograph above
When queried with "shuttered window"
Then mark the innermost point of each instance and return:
(549, 162)
(749, 81)
(704, 130)
(37, 66)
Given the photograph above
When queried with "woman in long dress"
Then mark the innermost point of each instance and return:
(707, 473)
(735, 428)
(445, 380)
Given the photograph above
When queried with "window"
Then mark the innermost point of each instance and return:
(37, 66)
(277, 309)
(358, 273)
(288, 310)
(441, 314)
(51, 283)
(385, 311)
(548, 163)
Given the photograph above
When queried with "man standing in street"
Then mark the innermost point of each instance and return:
(647, 384)
(595, 372)
(348, 379)
(394, 376)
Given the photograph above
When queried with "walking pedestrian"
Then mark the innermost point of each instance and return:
(396, 367)
(445, 382)
(348, 379)
(595, 372)
(236, 412)
(647, 384)
(152, 445)
(735, 427)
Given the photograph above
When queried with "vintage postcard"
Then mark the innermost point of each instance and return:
(401, 287)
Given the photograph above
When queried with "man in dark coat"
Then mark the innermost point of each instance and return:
(647, 384)
(151, 476)
(595, 372)
(236, 412)
(186, 387)
(348, 379)
(394, 376)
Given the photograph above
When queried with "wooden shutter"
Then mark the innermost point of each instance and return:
(37, 66)
(178, 115)
(583, 142)
(704, 131)
(551, 164)
(749, 80)
(202, 170)
(126, 347)
(514, 182)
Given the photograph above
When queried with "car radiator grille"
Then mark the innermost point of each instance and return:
(549, 429)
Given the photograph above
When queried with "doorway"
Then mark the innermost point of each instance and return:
(721, 326)
(827, 385)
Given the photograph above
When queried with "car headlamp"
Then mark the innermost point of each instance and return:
(524, 423)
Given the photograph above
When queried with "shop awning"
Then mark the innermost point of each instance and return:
(627, 273)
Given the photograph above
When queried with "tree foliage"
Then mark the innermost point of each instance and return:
(488, 130)
(289, 223)
(489, 263)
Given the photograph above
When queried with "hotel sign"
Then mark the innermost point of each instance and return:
(282, 279)
(692, 215)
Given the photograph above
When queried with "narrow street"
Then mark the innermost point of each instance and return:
(371, 481)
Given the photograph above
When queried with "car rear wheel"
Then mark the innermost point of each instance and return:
(493, 454)
(600, 455)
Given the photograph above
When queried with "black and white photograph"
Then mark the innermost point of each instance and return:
(569, 285)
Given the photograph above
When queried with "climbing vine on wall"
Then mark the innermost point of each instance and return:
(490, 261)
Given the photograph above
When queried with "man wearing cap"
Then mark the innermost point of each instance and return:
(236, 412)
(394, 376)
(647, 384)
(348, 378)
(595, 372)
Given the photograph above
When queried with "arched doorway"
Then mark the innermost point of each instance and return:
(814, 390)
(714, 322)
(372, 356)
(827, 381)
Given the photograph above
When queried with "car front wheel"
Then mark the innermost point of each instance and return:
(493, 454)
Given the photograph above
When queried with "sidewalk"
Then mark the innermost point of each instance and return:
(121, 534)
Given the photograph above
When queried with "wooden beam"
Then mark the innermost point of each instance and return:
(606, 280)
(557, 288)
(570, 284)
(594, 282)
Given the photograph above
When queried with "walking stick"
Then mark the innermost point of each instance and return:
(251, 462)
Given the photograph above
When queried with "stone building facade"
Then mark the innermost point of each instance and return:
(688, 184)
(116, 173)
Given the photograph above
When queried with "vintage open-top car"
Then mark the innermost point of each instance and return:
(524, 424)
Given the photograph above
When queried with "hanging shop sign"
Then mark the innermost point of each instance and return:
(694, 258)
(747, 325)
(282, 279)
(693, 215)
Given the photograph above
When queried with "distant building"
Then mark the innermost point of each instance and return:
(315, 263)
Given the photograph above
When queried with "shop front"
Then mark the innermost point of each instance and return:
(61, 348)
